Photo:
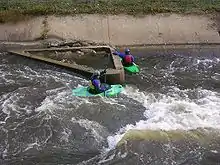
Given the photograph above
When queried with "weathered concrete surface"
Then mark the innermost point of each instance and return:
(98, 57)
(5, 46)
(22, 31)
(119, 30)
(51, 42)
(114, 75)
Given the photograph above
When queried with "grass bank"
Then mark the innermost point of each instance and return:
(15, 10)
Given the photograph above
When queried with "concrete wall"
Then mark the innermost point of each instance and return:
(113, 76)
(21, 31)
(118, 30)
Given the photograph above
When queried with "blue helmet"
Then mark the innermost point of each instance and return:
(127, 51)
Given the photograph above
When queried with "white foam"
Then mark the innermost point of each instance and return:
(31, 145)
(59, 99)
(56, 98)
(216, 77)
(9, 102)
(209, 61)
(65, 135)
(111, 157)
(214, 151)
(112, 101)
(96, 129)
(169, 112)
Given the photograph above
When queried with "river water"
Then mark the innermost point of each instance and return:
(41, 123)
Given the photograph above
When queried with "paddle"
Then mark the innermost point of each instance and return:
(104, 73)
(106, 67)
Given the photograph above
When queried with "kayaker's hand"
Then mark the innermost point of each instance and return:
(115, 53)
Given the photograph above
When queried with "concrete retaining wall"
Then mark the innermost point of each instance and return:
(113, 76)
(118, 30)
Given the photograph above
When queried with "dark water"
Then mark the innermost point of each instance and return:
(41, 123)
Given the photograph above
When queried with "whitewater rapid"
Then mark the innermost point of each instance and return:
(182, 109)
(37, 106)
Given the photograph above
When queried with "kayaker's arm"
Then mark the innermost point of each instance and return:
(132, 59)
(119, 54)
(115, 53)
(98, 86)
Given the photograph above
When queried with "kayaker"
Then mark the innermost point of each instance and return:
(96, 86)
(127, 58)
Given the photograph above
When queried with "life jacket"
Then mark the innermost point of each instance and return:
(128, 59)
(92, 88)
(91, 85)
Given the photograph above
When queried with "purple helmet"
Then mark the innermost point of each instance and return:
(127, 51)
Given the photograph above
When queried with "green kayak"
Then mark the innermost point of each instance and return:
(113, 90)
(132, 69)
